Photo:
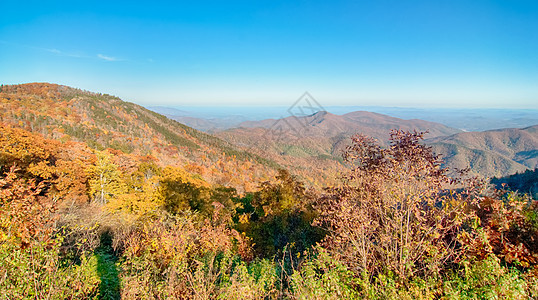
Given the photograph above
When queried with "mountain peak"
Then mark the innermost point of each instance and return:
(320, 113)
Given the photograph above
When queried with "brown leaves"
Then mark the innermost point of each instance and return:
(508, 232)
(392, 212)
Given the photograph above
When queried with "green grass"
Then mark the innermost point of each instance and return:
(109, 287)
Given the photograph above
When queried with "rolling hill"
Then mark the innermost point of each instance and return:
(490, 153)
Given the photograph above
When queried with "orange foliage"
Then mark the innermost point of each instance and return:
(507, 230)
(25, 214)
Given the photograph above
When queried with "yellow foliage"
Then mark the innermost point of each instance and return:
(105, 179)
(136, 203)
(179, 174)
(42, 169)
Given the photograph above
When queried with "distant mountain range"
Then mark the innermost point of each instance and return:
(322, 134)
(223, 117)
(201, 120)
(325, 135)
(372, 124)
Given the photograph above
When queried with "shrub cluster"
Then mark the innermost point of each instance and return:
(81, 223)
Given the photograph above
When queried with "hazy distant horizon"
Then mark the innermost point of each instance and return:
(468, 119)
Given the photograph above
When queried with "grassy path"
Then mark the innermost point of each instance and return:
(109, 288)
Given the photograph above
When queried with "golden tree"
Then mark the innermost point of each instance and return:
(105, 179)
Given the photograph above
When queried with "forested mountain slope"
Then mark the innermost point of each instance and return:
(491, 153)
(103, 121)
(524, 182)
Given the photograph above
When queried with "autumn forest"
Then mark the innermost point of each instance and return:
(105, 199)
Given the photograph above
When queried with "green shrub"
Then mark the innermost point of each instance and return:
(486, 279)
(37, 273)
(322, 277)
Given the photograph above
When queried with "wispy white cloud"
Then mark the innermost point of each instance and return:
(55, 51)
(49, 50)
(58, 52)
(107, 58)
(62, 53)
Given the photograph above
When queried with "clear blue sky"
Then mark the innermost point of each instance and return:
(396, 53)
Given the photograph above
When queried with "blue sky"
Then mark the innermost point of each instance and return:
(392, 53)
